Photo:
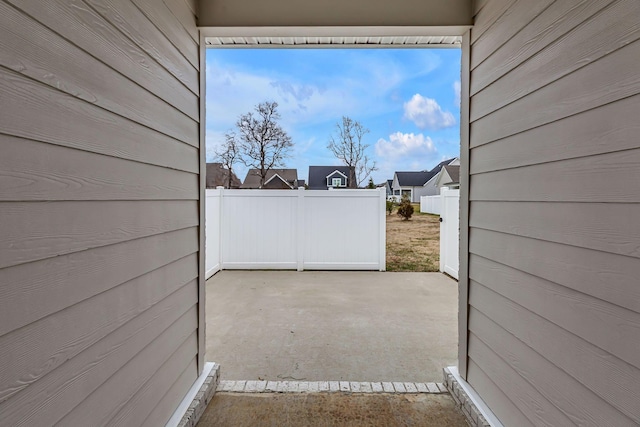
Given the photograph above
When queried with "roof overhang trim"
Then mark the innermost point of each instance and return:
(335, 172)
(396, 37)
(275, 175)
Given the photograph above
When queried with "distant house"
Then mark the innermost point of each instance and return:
(418, 183)
(449, 177)
(276, 179)
(325, 177)
(409, 183)
(387, 185)
(218, 176)
(430, 188)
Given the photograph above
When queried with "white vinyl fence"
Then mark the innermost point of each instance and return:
(430, 204)
(449, 231)
(295, 229)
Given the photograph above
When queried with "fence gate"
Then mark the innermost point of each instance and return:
(449, 231)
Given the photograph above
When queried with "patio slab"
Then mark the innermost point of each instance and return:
(321, 326)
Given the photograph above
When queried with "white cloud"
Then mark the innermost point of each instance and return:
(232, 92)
(456, 91)
(405, 145)
(299, 92)
(213, 141)
(427, 114)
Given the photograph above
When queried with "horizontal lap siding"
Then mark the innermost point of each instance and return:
(99, 210)
(554, 242)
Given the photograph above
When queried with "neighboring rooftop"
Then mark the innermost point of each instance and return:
(454, 173)
(419, 178)
(275, 179)
(413, 179)
(318, 175)
(217, 175)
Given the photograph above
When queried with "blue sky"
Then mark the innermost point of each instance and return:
(409, 99)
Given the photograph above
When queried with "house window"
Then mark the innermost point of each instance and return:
(406, 193)
(336, 182)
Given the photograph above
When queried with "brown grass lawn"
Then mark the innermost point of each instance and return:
(413, 245)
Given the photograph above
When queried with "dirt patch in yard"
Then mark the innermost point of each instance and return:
(413, 245)
(332, 409)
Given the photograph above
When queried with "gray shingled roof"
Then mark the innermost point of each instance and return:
(454, 173)
(217, 175)
(413, 179)
(318, 175)
(417, 179)
(252, 179)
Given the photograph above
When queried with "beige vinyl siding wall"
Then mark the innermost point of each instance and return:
(99, 208)
(554, 238)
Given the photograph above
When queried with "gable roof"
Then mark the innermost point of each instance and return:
(336, 172)
(444, 163)
(318, 175)
(252, 180)
(435, 172)
(454, 173)
(217, 175)
(413, 179)
(275, 177)
(419, 178)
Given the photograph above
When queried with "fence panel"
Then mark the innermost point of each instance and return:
(431, 204)
(212, 232)
(450, 231)
(259, 229)
(342, 230)
(303, 229)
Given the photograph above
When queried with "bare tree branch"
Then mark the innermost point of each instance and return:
(228, 153)
(263, 142)
(346, 144)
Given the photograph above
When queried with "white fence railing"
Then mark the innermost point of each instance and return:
(431, 204)
(295, 229)
(449, 231)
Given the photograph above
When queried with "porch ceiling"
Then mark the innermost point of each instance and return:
(362, 23)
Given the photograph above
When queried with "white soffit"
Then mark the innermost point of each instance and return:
(330, 37)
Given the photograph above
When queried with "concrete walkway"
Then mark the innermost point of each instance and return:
(319, 326)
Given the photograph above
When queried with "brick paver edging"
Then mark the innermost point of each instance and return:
(469, 409)
(328, 387)
(202, 398)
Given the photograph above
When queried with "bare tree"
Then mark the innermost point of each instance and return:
(228, 153)
(347, 146)
(263, 142)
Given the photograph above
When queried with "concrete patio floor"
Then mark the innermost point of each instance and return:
(316, 326)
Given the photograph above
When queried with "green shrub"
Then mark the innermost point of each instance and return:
(390, 206)
(405, 209)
